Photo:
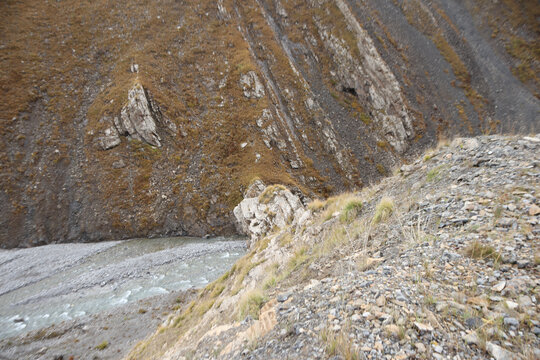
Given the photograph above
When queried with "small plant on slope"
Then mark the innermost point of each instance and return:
(383, 210)
(351, 210)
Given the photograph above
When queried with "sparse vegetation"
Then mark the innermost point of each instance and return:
(365, 263)
(477, 250)
(339, 344)
(351, 210)
(498, 212)
(103, 345)
(285, 239)
(434, 174)
(269, 193)
(383, 210)
(316, 205)
(337, 204)
(251, 303)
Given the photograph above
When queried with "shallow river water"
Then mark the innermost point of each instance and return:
(49, 284)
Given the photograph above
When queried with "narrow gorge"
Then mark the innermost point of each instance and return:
(269, 179)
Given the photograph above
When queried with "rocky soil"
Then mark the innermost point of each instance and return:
(122, 120)
(439, 261)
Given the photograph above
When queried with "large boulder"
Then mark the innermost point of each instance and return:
(137, 118)
(267, 209)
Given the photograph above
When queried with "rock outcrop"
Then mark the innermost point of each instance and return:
(268, 209)
(251, 85)
(370, 79)
(136, 120)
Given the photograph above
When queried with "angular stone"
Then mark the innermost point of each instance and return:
(466, 143)
(110, 139)
(423, 327)
(420, 347)
(499, 286)
(534, 210)
(473, 322)
(505, 222)
(511, 305)
(118, 164)
(392, 330)
(524, 301)
(499, 353)
(510, 321)
(472, 338)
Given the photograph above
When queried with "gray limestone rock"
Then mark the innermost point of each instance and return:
(263, 211)
(137, 119)
(252, 86)
(498, 352)
(110, 139)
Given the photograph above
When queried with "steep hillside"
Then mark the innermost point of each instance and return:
(440, 261)
(139, 118)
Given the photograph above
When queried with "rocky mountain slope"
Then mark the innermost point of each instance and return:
(137, 118)
(440, 261)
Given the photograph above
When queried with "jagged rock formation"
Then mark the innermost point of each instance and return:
(265, 209)
(439, 261)
(321, 95)
(136, 120)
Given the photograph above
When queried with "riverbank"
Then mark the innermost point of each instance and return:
(107, 335)
(63, 297)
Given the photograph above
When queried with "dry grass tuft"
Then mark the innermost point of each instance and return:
(269, 193)
(339, 345)
(351, 210)
(316, 205)
(251, 303)
(477, 250)
(384, 209)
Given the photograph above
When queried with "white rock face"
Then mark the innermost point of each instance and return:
(136, 118)
(264, 210)
(110, 139)
(251, 85)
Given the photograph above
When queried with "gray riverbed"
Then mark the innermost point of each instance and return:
(49, 284)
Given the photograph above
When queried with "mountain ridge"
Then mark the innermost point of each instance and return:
(344, 92)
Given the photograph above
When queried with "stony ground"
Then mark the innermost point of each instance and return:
(451, 271)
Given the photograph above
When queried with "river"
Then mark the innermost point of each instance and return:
(49, 284)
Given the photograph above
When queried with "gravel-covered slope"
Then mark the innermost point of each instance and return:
(449, 271)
